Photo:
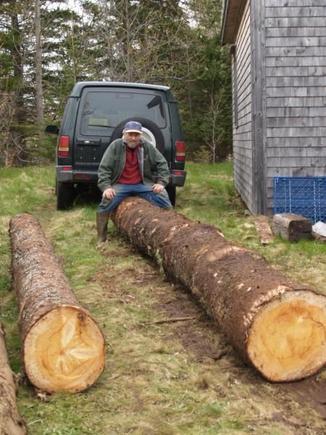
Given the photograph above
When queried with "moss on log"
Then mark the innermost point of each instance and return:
(276, 325)
(63, 347)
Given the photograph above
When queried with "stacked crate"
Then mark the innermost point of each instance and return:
(305, 196)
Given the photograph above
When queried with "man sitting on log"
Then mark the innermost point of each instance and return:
(130, 166)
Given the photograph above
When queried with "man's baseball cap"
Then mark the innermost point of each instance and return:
(132, 127)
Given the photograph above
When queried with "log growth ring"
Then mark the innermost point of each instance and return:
(64, 351)
(287, 340)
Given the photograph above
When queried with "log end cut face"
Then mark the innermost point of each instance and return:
(287, 340)
(64, 351)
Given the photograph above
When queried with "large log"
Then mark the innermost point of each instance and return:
(10, 421)
(276, 325)
(62, 346)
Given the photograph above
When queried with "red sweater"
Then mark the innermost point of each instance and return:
(131, 173)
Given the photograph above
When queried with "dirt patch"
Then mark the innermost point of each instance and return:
(197, 333)
(311, 390)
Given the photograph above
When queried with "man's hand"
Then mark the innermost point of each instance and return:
(109, 193)
(157, 188)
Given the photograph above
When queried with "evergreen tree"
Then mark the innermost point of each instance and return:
(13, 113)
(208, 115)
(45, 47)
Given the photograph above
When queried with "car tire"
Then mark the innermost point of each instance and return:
(149, 125)
(171, 190)
(66, 194)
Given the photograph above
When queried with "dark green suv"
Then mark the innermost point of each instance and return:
(94, 116)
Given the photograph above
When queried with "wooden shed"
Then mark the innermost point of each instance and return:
(278, 50)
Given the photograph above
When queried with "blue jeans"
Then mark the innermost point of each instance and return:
(142, 190)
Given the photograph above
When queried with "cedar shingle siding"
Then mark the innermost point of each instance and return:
(279, 94)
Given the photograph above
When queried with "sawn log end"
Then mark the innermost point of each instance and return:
(287, 339)
(64, 351)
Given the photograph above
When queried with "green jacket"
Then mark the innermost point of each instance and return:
(152, 164)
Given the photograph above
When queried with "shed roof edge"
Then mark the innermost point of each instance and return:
(232, 14)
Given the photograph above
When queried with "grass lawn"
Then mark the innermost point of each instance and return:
(160, 378)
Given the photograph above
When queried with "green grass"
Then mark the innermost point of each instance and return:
(153, 383)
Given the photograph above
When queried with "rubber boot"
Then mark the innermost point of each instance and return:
(102, 220)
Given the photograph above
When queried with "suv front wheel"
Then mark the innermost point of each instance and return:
(66, 194)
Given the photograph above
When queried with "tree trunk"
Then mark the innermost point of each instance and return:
(10, 421)
(38, 70)
(277, 326)
(63, 348)
(16, 153)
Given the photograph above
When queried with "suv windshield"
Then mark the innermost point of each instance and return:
(103, 110)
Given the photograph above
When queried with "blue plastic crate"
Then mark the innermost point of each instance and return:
(300, 195)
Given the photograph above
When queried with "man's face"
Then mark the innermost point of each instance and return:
(132, 139)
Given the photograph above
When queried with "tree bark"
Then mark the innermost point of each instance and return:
(38, 70)
(10, 420)
(16, 152)
(276, 325)
(63, 348)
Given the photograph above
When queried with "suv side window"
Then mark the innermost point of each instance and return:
(101, 111)
(69, 116)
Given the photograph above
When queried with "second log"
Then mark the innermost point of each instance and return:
(276, 325)
(63, 347)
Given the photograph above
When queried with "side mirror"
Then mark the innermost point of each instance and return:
(52, 129)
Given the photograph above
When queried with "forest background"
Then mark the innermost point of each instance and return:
(46, 46)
